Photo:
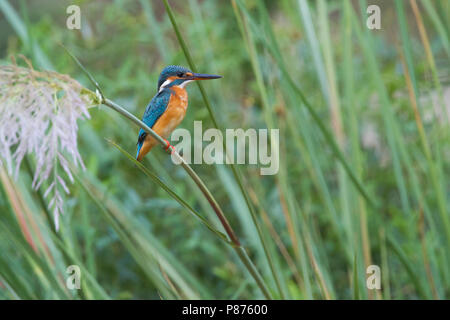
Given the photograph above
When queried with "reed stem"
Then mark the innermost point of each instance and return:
(101, 99)
(242, 254)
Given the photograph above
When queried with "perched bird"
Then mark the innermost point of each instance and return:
(168, 107)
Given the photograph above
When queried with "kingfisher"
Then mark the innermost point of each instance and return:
(168, 107)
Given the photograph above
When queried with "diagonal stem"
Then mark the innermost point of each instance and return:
(234, 169)
(171, 150)
(212, 201)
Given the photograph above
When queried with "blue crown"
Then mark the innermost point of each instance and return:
(170, 71)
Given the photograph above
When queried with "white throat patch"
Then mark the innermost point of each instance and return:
(182, 85)
(165, 83)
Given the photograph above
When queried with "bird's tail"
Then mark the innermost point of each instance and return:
(144, 145)
(140, 143)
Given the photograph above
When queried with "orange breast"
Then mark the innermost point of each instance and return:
(169, 120)
(174, 114)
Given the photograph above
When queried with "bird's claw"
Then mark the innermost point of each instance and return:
(169, 146)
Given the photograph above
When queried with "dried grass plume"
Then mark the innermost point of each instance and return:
(39, 111)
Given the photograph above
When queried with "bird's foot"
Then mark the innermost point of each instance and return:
(169, 146)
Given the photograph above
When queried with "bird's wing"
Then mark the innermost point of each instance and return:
(154, 110)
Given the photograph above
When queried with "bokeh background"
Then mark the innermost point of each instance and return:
(380, 99)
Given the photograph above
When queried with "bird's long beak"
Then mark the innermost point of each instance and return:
(202, 76)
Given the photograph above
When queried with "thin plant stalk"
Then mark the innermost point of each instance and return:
(212, 201)
(235, 171)
(430, 58)
(426, 149)
(171, 150)
(276, 52)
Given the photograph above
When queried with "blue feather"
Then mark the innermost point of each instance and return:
(152, 113)
(170, 71)
(140, 142)
(158, 104)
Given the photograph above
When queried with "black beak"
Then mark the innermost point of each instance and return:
(202, 76)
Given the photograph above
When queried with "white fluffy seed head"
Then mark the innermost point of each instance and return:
(38, 116)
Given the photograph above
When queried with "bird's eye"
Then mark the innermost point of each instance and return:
(180, 74)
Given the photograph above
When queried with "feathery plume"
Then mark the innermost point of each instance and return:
(38, 115)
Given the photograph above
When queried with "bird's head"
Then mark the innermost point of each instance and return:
(180, 76)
